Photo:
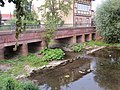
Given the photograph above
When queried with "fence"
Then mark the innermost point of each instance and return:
(13, 27)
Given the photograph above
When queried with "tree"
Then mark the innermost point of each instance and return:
(22, 10)
(31, 14)
(52, 16)
(31, 17)
(108, 21)
(20, 16)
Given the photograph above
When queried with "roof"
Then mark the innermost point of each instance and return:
(6, 16)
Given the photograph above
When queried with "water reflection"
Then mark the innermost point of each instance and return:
(76, 76)
(107, 72)
(62, 76)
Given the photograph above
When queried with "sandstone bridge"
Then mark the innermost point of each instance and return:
(31, 39)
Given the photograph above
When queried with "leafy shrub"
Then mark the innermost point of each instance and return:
(117, 45)
(108, 21)
(77, 47)
(10, 84)
(29, 86)
(52, 54)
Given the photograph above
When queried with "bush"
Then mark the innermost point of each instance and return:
(77, 47)
(108, 21)
(29, 86)
(52, 54)
(10, 84)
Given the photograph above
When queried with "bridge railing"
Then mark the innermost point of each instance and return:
(13, 27)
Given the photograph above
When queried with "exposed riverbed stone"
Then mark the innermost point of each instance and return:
(81, 72)
(20, 77)
(4, 67)
(91, 51)
(53, 64)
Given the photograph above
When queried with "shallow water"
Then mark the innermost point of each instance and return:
(104, 75)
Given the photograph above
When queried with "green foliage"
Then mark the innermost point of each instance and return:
(9, 83)
(96, 43)
(52, 11)
(17, 69)
(30, 58)
(28, 22)
(116, 45)
(22, 9)
(33, 60)
(29, 86)
(31, 17)
(52, 54)
(11, 21)
(18, 65)
(20, 16)
(77, 47)
(108, 21)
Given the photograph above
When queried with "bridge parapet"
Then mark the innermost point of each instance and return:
(74, 34)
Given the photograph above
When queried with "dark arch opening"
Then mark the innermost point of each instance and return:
(79, 39)
(93, 36)
(34, 47)
(9, 53)
(87, 37)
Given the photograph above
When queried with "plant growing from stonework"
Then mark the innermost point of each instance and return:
(52, 54)
(53, 10)
(108, 20)
(77, 47)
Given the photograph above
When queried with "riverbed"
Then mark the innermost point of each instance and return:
(97, 71)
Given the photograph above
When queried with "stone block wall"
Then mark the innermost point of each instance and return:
(71, 35)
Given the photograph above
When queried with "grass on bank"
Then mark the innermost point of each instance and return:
(96, 43)
(17, 66)
(9, 83)
(101, 43)
(92, 44)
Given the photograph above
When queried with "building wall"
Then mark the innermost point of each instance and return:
(69, 18)
(82, 12)
(35, 6)
(82, 21)
(77, 15)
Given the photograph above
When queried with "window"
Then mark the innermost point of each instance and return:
(80, 21)
(83, 7)
(87, 21)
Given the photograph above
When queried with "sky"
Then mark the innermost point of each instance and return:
(96, 3)
(9, 7)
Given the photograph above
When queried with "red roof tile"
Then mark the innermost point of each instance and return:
(6, 16)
